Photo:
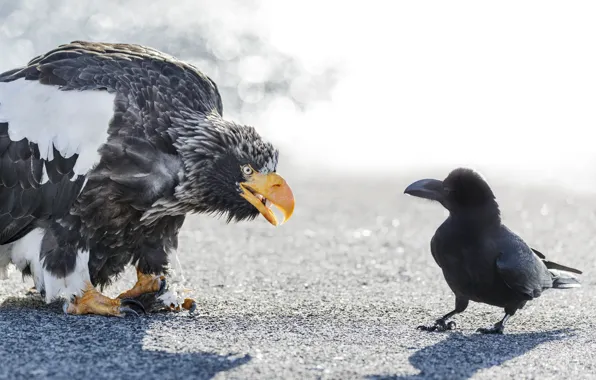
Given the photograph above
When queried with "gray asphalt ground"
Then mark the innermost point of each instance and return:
(335, 293)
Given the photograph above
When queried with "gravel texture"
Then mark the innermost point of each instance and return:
(335, 293)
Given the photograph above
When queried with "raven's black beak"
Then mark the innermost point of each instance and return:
(428, 189)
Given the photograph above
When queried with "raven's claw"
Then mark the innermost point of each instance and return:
(439, 326)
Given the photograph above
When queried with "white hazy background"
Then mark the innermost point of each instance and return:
(507, 87)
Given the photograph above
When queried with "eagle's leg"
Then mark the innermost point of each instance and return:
(93, 302)
(146, 283)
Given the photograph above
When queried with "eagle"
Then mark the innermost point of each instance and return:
(104, 150)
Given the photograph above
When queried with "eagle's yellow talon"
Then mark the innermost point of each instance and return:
(146, 283)
(93, 302)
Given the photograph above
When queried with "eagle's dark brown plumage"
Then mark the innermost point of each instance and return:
(104, 148)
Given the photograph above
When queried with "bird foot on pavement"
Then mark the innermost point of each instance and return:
(93, 302)
(439, 326)
(146, 283)
(497, 329)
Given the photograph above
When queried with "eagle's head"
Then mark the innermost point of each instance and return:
(230, 170)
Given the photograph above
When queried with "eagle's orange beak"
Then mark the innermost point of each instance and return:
(262, 190)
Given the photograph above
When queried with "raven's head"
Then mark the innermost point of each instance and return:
(463, 190)
(230, 170)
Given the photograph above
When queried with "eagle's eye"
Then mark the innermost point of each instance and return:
(246, 169)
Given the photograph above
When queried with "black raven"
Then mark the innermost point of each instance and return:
(483, 260)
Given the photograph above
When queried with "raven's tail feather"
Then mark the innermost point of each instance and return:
(563, 281)
(551, 265)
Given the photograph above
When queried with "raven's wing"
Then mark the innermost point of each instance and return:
(519, 267)
(538, 253)
(59, 110)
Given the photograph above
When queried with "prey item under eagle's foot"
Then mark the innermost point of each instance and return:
(153, 293)
(93, 302)
(166, 301)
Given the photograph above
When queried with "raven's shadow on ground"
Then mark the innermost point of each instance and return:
(66, 346)
(461, 356)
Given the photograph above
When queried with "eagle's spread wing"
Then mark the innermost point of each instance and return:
(58, 111)
(153, 77)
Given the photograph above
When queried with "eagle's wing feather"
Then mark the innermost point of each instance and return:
(58, 111)
(34, 183)
(123, 68)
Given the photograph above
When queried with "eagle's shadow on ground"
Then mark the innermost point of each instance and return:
(92, 346)
(471, 353)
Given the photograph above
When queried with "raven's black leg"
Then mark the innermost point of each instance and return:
(498, 328)
(442, 324)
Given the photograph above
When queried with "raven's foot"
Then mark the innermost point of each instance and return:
(497, 329)
(146, 283)
(439, 326)
(93, 302)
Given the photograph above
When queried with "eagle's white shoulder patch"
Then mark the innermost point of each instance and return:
(73, 121)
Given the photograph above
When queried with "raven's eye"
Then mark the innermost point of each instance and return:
(246, 169)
